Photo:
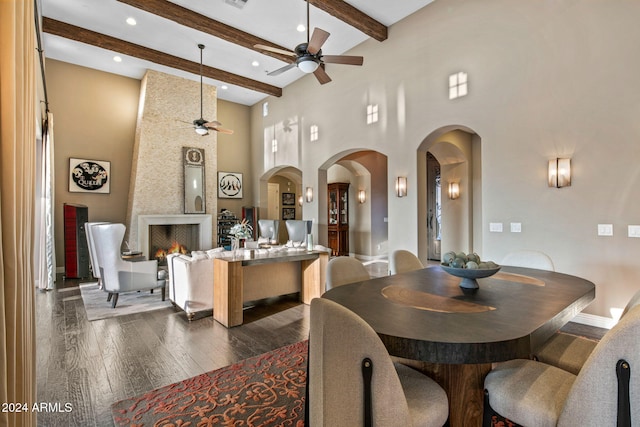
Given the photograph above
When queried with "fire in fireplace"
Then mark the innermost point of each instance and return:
(175, 248)
(172, 238)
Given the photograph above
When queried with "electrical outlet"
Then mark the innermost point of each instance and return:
(495, 227)
(634, 231)
(516, 227)
(605, 229)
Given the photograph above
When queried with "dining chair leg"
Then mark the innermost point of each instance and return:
(115, 300)
(109, 296)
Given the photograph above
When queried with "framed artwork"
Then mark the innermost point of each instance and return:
(288, 213)
(89, 176)
(229, 185)
(288, 199)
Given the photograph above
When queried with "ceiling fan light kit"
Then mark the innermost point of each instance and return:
(307, 64)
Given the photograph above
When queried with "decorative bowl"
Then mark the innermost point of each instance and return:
(469, 275)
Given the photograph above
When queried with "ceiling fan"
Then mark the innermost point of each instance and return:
(308, 56)
(201, 125)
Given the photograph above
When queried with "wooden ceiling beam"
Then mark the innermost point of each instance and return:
(197, 21)
(352, 16)
(82, 35)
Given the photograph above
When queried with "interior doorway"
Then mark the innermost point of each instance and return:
(449, 157)
(434, 208)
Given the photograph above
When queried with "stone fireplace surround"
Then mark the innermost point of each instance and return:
(157, 176)
(204, 222)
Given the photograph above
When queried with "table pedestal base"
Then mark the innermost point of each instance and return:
(464, 385)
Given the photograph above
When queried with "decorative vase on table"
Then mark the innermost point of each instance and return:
(239, 233)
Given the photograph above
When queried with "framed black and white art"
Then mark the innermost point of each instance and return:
(288, 199)
(89, 176)
(229, 185)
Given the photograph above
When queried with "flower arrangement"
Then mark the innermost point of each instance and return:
(242, 230)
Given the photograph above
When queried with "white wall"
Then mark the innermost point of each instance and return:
(546, 79)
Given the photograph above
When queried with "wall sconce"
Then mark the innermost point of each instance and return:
(362, 196)
(300, 200)
(401, 186)
(309, 194)
(559, 173)
(454, 190)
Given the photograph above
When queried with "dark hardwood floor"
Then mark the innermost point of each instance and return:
(94, 364)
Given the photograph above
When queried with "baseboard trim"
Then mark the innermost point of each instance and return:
(593, 320)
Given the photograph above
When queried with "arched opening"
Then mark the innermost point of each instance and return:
(366, 173)
(457, 150)
(280, 195)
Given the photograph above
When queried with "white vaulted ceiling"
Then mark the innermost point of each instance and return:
(274, 21)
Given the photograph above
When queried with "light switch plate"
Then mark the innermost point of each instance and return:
(634, 231)
(605, 229)
(495, 227)
(516, 227)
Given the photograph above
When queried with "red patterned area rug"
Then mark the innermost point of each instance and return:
(265, 390)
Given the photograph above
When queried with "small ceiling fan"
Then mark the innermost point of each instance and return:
(201, 125)
(308, 56)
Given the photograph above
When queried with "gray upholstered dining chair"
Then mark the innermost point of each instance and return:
(352, 377)
(402, 260)
(529, 259)
(93, 252)
(269, 229)
(118, 275)
(343, 270)
(297, 230)
(570, 352)
(604, 393)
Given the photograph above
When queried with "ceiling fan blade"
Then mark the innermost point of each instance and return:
(322, 75)
(216, 125)
(318, 38)
(274, 49)
(282, 70)
(221, 130)
(342, 59)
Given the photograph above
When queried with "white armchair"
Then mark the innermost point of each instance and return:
(269, 229)
(117, 274)
(191, 280)
(298, 230)
(93, 253)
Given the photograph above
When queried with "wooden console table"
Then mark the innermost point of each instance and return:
(276, 272)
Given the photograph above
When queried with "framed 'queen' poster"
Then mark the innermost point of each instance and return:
(89, 176)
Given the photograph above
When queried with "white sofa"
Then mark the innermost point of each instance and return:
(191, 280)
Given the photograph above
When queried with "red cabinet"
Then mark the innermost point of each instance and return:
(76, 250)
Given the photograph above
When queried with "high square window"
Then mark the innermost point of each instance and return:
(457, 85)
(372, 113)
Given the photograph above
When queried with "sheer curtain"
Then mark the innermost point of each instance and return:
(45, 254)
(17, 194)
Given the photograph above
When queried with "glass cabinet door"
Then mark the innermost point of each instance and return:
(344, 207)
(333, 207)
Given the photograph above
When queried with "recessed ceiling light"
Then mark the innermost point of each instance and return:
(301, 28)
(131, 21)
(117, 58)
(224, 87)
(255, 63)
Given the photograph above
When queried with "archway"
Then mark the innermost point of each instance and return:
(279, 188)
(365, 170)
(458, 151)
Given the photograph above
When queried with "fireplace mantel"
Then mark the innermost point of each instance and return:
(204, 221)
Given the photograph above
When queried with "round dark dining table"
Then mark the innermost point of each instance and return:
(454, 334)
